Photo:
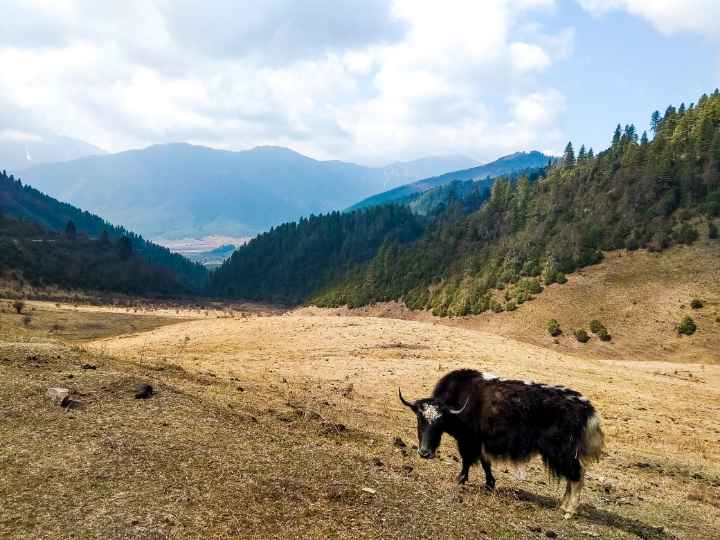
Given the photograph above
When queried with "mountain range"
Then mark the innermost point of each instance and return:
(180, 190)
(19, 150)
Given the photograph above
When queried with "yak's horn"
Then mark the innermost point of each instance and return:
(461, 409)
(405, 402)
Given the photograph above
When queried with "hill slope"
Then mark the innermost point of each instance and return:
(179, 190)
(500, 167)
(639, 296)
(527, 234)
(637, 193)
(23, 202)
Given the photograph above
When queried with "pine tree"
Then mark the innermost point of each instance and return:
(655, 121)
(582, 154)
(590, 154)
(569, 155)
(644, 139)
(124, 248)
(616, 136)
(630, 133)
(70, 230)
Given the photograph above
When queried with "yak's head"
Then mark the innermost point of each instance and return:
(432, 420)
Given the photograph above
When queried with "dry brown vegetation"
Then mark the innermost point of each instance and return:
(266, 425)
(639, 296)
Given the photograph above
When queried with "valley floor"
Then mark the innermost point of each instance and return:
(286, 425)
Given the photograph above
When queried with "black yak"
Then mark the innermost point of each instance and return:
(506, 420)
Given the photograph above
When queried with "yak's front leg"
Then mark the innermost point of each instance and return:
(469, 457)
(489, 478)
(464, 472)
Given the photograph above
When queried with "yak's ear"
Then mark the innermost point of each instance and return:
(410, 404)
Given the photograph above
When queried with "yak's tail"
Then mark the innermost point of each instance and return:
(592, 441)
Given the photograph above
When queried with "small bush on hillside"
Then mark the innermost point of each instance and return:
(496, 306)
(696, 303)
(687, 234)
(603, 335)
(596, 326)
(687, 326)
(561, 279)
(511, 306)
(712, 231)
(554, 328)
(18, 305)
(581, 335)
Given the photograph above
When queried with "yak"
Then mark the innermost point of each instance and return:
(493, 419)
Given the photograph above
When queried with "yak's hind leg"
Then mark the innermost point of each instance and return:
(571, 500)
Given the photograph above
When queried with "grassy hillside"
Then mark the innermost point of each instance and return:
(26, 203)
(637, 193)
(268, 427)
(639, 296)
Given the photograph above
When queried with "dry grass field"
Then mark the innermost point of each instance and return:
(286, 425)
(639, 296)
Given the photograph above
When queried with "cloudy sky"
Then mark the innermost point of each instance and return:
(366, 80)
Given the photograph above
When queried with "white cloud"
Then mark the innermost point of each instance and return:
(370, 80)
(667, 16)
(527, 57)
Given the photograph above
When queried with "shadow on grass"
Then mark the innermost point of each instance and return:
(599, 517)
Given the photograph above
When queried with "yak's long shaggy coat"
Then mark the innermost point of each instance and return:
(507, 420)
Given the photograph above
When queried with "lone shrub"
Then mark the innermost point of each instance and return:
(18, 305)
(687, 326)
(561, 279)
(581, 335)
(696, 303)
(603, 335)
(596, 326)
(554, 328)
(511, 306)
(687, 234)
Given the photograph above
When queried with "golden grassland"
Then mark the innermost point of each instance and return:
(284, 426)
(639, 296)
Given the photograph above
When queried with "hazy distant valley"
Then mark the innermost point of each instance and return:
(180, 191)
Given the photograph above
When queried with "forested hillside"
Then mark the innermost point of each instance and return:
(504, 166)
(26, 203)
(291, 261)
(471, 192)
(639, 193)
(73, 260)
